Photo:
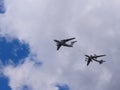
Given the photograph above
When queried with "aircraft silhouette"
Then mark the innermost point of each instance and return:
(60, 43)
(90, 58)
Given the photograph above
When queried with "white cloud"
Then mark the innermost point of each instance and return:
(28, 74)
(95, 24)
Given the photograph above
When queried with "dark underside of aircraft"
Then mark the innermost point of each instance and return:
(91, 58)
(63, 42)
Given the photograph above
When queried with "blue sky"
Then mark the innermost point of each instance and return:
(4, 83)
(62, 87)
(14, 50)
(10, 50)
(3, 80)
(2, 7)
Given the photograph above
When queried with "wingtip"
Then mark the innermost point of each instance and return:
(86, 55)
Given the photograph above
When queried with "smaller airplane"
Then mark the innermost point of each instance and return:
(63, 43)
(94, 57)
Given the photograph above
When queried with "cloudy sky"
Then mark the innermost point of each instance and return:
(28, 56)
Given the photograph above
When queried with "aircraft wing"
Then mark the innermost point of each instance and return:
(96, 60)
(100, 55)
(100, 61)
(58, 47)
(67, 45)
(57, 41)
(88, 62)
(87, 56)
(66, 40)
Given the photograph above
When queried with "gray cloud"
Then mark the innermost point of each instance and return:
(95, 24)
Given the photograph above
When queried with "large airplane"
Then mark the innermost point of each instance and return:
(90, 58)
(63, 42)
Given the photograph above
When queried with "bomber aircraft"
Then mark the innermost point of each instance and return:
(63, 42)
(90, 58)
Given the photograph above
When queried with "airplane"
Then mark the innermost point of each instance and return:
(90, 58)
(60, 43)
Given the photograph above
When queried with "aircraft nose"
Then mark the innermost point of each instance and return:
(54, 40)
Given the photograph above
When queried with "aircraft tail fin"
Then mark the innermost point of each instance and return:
(101, 61)
(73, 43)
